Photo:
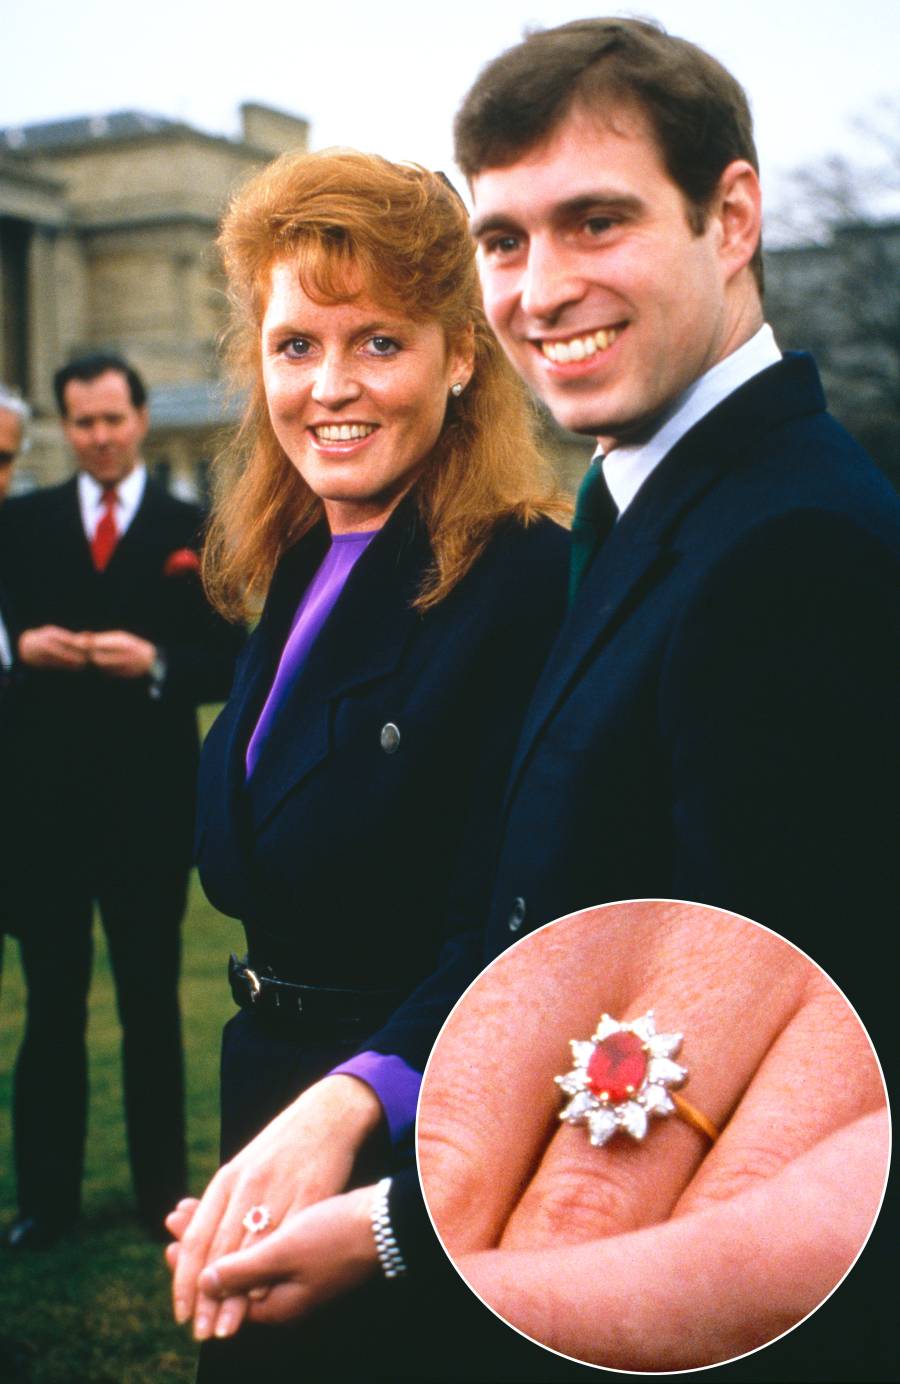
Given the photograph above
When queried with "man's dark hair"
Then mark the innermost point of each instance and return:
(91, 367)
(698, 112)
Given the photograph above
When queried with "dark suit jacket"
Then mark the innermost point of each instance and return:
(337, 854)
(717, 722)
(8, 676)
(96, 755)
(8, 682)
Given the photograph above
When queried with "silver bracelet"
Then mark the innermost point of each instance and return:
(389, 1256)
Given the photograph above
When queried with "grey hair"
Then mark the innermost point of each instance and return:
(14, 403)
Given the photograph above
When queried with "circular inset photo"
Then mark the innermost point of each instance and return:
(653, 1136)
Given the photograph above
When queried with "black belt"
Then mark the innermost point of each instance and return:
(317, 1006)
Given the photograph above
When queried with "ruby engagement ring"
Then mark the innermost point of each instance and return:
(624, 1074)
(257, 1218)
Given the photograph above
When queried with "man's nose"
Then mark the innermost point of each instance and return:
(101, 434)
(549, 282)
(335, 382)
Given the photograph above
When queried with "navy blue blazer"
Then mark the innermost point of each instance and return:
(337, 854)
(717, 722)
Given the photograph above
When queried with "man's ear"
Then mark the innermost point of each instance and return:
(738, 210)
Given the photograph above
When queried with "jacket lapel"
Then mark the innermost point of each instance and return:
(72, 552)
(259, 662)
(128, 564)
(642, 547)
(362, 640)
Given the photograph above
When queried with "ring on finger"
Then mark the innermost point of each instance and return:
(623, 1074)
(258, 1218)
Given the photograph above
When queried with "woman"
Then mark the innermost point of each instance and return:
(386, 500)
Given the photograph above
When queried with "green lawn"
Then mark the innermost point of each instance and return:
(95, 1309)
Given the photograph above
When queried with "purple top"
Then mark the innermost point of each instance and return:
(317, 603)
(394, 1082)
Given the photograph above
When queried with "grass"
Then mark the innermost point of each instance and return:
(95, 1308)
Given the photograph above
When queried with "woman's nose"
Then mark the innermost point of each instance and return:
(335, 383)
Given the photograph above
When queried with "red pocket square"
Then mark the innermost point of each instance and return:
(182, 560)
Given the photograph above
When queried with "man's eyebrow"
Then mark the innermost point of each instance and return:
(609, 199)
(494, 221)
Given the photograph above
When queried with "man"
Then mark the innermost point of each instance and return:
(118, 647)
(14, 413)
(716, 719)
(715, 722)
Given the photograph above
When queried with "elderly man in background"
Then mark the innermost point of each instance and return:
(117, 647)
(14, 413)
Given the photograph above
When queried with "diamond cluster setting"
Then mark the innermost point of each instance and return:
(620, 1077)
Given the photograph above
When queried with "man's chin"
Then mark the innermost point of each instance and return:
(607, 430)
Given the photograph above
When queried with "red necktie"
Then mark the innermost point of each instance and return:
(106, 534)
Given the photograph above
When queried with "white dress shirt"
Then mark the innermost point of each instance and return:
(626, 468)
(5, 646)
(129, 494)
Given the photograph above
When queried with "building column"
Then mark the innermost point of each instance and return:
(43, 325)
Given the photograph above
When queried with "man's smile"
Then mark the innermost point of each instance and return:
(580, 347)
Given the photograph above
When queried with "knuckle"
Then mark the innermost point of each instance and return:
(572, 1204)
(753, 1165)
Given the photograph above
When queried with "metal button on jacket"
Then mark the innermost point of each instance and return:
(390, 738)
(517, 916)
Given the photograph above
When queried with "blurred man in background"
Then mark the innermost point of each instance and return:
(14, 413)
(117, 648)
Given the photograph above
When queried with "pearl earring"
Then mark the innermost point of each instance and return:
(456, 389)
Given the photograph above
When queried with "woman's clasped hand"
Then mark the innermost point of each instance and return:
(301, 1160)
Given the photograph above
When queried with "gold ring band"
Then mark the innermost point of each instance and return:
(692, 1116)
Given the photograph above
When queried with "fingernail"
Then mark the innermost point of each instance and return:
(202, 1328)
(181, 1312)
(225, 1325)
(257, 1294)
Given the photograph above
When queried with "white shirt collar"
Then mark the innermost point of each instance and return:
(129, 493)
(626, 468)
(5, 646)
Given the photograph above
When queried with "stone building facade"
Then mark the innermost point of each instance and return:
(107, 228)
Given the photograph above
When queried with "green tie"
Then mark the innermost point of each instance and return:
(595, 514)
